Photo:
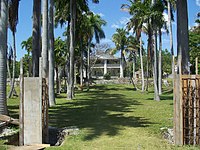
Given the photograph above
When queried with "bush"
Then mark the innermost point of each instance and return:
(107, 76)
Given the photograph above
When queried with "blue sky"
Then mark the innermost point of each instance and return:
(109, 11)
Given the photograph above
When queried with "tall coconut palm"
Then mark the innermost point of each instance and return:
(132, 48)
(51, 54)
(3, 50)
(45, 38)
(94, 28)
(120, 40)
(13, 20)
(154, 58)
(36, 37)
(140, 15)
(160, 23)
(62, 15)
(70, 87)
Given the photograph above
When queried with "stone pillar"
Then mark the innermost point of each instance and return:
(32, 111)
(105, 67)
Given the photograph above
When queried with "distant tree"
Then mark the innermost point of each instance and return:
(194, 44)
(27, 45)
(60, 53)
(120, 39)
(166, 58)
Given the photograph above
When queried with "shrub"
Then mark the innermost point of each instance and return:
(107, 76)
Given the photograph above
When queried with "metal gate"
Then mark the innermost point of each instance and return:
(191, 109)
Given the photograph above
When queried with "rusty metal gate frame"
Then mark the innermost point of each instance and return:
(191, 109)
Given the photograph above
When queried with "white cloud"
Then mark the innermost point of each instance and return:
(198, 3)
(163, 30)
(124, 20)
(115, 26)
(101, 14)
(106, 40)
(165, 15)
(121, 23)
(131, 31)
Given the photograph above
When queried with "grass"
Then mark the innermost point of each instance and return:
(112, 117)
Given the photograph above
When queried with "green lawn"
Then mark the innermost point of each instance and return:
(112, 117)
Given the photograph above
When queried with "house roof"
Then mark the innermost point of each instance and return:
(105, 56)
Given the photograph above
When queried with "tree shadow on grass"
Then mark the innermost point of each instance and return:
(100, 110)
(13, 111)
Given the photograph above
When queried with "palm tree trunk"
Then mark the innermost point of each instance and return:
(81, 70)
(3, 53)
(182, 37)
(51, 54)
(134, 76)
(155, 75)
(9, 74)
(45, 39)
(14, 64)
(88, 65)
(160, 64)
(122, 64)
(147, 82)
(171, 37)
(70, 91)
(57, 81)
(36, 34)
(154, 64)
(141, 64)
(65, 79)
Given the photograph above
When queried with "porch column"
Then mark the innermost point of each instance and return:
(121, 69)
(105, 67)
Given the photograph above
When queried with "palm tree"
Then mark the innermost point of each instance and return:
(94, 28)
(160, 23)
(3, 50)
(154, 58)
(70, 87)
(45, 39)
(36, 37)
(140, 22)
(60, 51)
(27, 45)
(120, 40)
(132, 48)
(62, 15)
(182, 37)
(51, 54)
(13, 20)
